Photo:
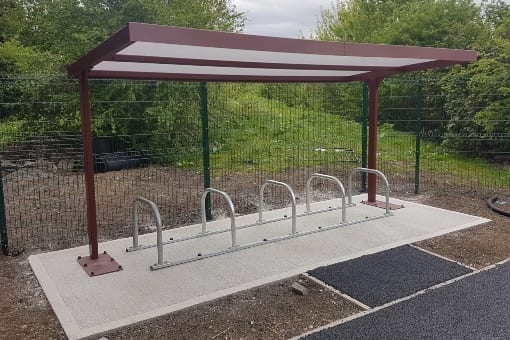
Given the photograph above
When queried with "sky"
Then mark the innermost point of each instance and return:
(281, 18)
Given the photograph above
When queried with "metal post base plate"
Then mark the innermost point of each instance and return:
(380, 204)
(104, 264)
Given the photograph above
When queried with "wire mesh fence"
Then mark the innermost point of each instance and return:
(149, 141)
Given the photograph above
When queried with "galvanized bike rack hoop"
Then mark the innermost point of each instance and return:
(386, 186)
(329, 178)
(233, 228)
(204, 231)
(209, 233)
(231, 210)
(159, 228)
(292, 197)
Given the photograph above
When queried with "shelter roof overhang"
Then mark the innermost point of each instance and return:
(146, 51)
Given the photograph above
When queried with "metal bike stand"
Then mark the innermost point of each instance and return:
(231, 210)
(204, 232)
(386, 186)
(159, 232)
(292, 197)
(233, 229)
(329, 178)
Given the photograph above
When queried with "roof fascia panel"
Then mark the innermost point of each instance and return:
(197, 37)
(105, 50)
(399, 51)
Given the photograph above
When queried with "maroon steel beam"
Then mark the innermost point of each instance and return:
(198, 37)
(86, 131)
(427, 66)
(380, 73)
(103, 51)
(213, 77)
(245, 64)
(414, 52)
(373, 88)
(367, 76)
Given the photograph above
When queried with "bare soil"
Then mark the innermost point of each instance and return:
(24, 311)
(476, 247)
(267, 312)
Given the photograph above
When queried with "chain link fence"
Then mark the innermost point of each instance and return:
(152, 139)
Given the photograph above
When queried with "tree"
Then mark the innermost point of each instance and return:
(11, 14)
(43, 36)
(355, 20)
(478, 97)
(70, 28)
(434, 23)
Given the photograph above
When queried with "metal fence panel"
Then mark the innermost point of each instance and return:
(148, 142)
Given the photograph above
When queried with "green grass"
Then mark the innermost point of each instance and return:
(437, 160)
(10, 130)
(272, 137)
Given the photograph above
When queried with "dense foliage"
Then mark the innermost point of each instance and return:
(476, 104)
(66, 29)
(40, 37)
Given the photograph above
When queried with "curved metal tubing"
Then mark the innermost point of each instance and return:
(373, 171)
(292, 196)
(159, 232)
(230, 208)
(329, 178)
(209, 233)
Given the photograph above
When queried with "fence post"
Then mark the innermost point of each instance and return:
(4, 241)
(419, 126)
(204, 115)
(364, 137)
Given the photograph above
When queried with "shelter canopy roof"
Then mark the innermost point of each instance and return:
(145, 51)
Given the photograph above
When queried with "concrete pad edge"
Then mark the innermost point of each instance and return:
(63, 314)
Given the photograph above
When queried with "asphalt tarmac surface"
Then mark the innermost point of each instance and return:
(474, 307)
(386, 276)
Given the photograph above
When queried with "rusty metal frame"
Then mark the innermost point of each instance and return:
(373, 74)
(426, 57)
(86, 128)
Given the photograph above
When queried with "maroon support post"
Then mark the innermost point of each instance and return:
(94, 264)
(86, 130)
(373, 87)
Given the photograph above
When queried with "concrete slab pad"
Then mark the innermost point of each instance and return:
(474, 307)
(389, 275)
(88, 306)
